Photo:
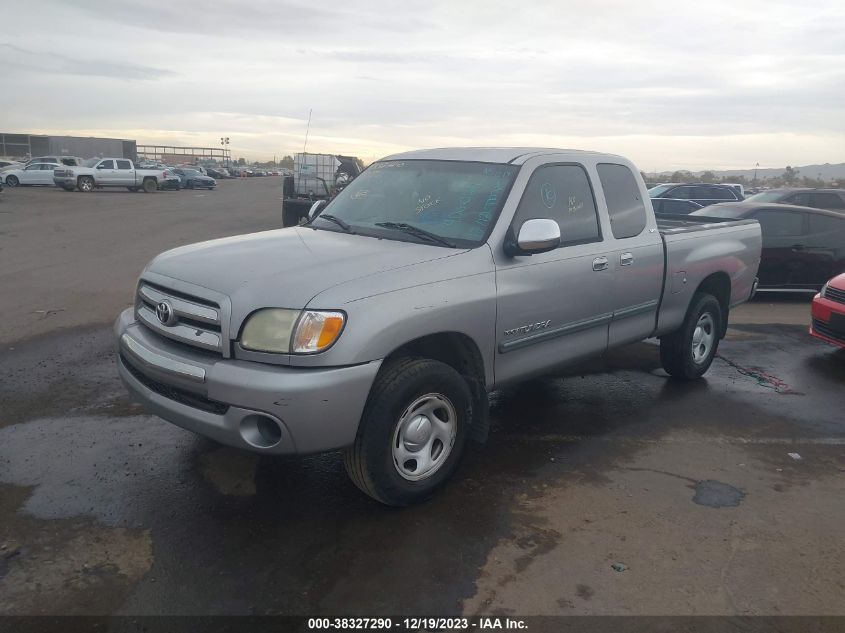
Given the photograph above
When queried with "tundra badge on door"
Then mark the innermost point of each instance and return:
(525, 329)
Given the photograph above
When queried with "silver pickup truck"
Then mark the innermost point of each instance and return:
(109, 172)
(434, 278)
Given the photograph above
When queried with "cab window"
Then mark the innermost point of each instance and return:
(561, 193)
(624, 203)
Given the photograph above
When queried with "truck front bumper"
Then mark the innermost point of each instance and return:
(264, 408)
(64, 181)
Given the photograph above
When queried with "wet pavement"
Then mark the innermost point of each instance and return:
(609, 489)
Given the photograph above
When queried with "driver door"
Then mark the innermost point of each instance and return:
(554, 307)
(107, 173)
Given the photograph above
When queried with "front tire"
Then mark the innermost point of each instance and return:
(12, 181)
(688, 353)
(85, 184)
(412, 433)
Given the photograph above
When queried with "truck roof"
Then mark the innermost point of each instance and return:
(517, 155)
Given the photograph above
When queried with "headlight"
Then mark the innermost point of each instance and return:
(823, 291)
(291, 331)
(269, 330)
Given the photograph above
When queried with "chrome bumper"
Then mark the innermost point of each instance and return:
(234, 402)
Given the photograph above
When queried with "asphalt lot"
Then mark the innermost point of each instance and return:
(105, 509)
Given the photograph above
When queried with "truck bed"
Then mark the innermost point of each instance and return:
(670, 224)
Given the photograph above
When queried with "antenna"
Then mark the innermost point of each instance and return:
(307, 130)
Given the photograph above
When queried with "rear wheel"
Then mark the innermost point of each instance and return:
(412, 433)
(150, 185)
(12, 181)
(688, 353)
(85, 184)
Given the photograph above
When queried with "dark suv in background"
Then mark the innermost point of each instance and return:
(699, 193)
(816, 198)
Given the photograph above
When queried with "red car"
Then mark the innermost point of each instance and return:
(829, 312)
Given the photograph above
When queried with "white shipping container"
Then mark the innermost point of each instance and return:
(311, 171)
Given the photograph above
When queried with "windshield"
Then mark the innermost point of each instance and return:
(765, 196)
(458, 201)
(91, 162)
(654, 192)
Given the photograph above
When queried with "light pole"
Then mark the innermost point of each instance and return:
(756, 167)
(224, 142)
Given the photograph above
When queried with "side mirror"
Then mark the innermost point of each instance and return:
(315, 209)
(535, 236)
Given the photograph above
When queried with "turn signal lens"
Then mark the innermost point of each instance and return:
(316, 331)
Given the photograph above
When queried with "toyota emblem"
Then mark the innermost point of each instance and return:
(164, 312)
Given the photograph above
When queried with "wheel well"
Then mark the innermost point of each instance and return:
(719, 285)
(461, 353)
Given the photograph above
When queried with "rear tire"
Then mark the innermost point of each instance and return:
(85, 184)
(412, 433)
(12, 181)
(150, 185)
(688, 353)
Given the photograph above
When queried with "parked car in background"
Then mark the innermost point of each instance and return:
(817, 198)
(109, 172)
(171, 181)
(32, 174)
(9, 164)
(828, 312)
(670, 206)
(192, 179)
(802, 247)
(218, 173)
(70, 161)
(737, 187)
(699, 193)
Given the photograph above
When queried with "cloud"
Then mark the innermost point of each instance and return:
(663, 81)
(51, 62)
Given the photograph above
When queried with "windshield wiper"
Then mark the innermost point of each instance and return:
(417, 232)
(336, 220)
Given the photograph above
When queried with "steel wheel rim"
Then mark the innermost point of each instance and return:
(424, 437)
(703, 337)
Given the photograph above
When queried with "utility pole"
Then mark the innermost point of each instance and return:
(224, 142)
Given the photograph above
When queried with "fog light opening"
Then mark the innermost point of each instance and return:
(261, 431)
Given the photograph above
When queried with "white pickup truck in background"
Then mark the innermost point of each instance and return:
(109, 172)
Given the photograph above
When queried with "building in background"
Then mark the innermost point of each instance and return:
(173, 155)
(25, 146)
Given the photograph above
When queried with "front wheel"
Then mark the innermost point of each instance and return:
(12, 181)
(412, 433)
(688, 353)
(85, 184)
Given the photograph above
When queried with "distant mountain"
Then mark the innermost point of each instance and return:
(827, 171)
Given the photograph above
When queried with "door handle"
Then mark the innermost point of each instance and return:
(626, 259)
(599, 263)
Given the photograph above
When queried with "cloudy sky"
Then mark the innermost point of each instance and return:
(722, 84)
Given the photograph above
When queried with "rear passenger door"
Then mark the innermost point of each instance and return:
(125, 175)
(783, 262)
(637, 257)
(554, 307)
(824, 247)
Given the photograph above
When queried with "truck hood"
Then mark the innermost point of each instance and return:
(285, 268)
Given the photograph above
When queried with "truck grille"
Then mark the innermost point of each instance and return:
(834, 294)
(192, 320)
(823, 328)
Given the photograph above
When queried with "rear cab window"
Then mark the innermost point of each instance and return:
(624, 203)
(561, 192)
(124, 164)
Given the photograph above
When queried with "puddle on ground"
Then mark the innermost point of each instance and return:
(715, 494)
